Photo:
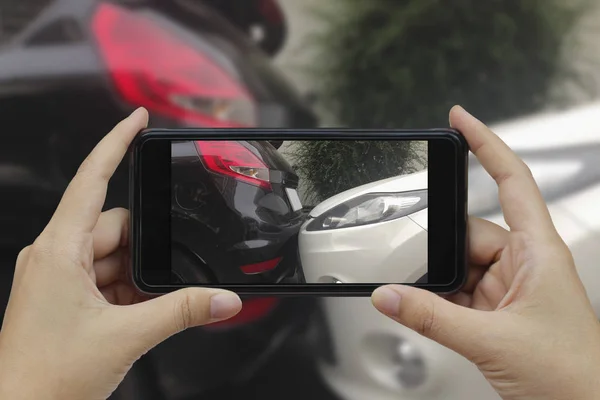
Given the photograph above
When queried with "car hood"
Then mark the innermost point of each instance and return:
(403, 183)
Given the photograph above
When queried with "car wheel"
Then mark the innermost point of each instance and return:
(187, 268)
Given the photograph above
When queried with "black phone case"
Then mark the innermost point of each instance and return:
(330, 290)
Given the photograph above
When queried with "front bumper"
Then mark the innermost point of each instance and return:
(392, 251)
(366, 366)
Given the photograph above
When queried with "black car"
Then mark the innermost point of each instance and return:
(235, 213)
(70, 70)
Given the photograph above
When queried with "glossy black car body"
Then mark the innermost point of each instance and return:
(227, 227)
(58, 97)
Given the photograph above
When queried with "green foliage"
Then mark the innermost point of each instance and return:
(331, 167)
(404, 63)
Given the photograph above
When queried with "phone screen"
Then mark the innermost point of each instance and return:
(301, 212)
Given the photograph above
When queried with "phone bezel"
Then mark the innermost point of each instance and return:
(459, 183)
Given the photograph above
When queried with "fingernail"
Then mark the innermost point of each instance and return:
(224, 305)
(465, 112)
(386, 300)
(137, 113)
(453, 110)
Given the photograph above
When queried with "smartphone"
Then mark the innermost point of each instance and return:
(330, 212)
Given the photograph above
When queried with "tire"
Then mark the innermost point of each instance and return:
(187, 268)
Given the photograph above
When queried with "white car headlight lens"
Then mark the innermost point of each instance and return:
(369, 209)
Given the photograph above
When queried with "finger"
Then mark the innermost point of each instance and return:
(491, 290)
(474, 276)
(111, 268)
(162, 317)
(486, 241)
(122, 294)
(111, 232)
(432, 316)
(522, 203)
(82, 202)
(461, 298)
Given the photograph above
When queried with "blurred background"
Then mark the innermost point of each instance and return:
(70, 69)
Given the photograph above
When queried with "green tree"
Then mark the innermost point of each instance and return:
(404, 63)
(329, 167)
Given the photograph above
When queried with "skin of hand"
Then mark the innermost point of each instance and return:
(74, 324)
(523, 317)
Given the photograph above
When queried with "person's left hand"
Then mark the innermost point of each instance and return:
(74, 323)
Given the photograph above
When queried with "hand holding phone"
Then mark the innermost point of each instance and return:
(523, 305)
(225, 208)
(70, 291)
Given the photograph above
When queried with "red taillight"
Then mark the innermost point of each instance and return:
(261, 266)
(154, 68)
(252, 310)
(271, 11)
(232, 159)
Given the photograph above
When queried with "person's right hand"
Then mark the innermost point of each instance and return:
(523, 316)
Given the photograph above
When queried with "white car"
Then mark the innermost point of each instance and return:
(372, 357)
(368, 234)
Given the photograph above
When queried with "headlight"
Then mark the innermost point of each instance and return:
(369, 209)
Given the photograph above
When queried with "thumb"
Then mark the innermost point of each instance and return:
(432, 316)
(160, 318)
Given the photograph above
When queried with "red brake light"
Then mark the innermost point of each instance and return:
(261, 266)
(271, 11)
(252, 310)
(154, 68)
(233, 159)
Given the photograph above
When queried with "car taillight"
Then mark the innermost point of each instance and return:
(261, 266)
(232, 159)
(154, 68)
(252, 310)
(271, 11)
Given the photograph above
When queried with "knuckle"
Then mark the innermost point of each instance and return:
(23, 254)
(427, 322)
(426, 326)
(58, 249)
(86, 166)
(502, 176)
(120, 212)
(526, 170)
(23, 258)
(91, 168)
(42, 247)
(183, 315)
